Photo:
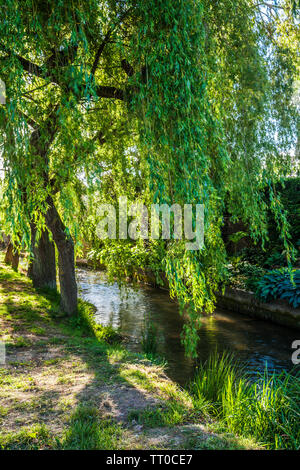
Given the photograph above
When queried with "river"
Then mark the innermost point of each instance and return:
(256, 343)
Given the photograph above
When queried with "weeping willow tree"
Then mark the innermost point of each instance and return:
(217, 125)
(162, 101)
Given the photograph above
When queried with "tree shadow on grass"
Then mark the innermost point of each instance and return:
(64, 389)
(60, 376)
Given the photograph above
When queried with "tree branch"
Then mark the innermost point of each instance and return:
(110, 92)
(99, 52)
(127, 67)
(27, 65)
(105, 41)
(38, 71)
(29, 120)
(269, 5)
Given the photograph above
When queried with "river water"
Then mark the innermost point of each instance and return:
(256, 343)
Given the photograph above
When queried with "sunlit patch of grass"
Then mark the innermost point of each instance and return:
(65, 380)
(53, 361)
(27, 364)
(117, 354)
(170, 414)
(221, 442)
(37, 330)
(4, 311)
(4, 333)
(137, 377)
(7, 338)
(172, 391)
(12, 380)
(3, 411)
(19, 342)
(56, 340)
(30, 405)
(29, 438)
(82, 354)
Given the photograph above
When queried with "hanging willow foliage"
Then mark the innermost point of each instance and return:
(209, 98)
(183, 142)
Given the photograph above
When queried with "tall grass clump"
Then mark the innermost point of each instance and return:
(267, 409)
(149, 339)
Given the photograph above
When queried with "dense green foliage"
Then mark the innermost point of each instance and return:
(290, 195)
(219, 146)
(244, 275)
(280, 284)
(267, 409)
(273, 252)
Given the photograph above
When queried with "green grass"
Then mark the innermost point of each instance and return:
(87, 431)
(149, 338)
(169, 415)
(31, 438)
(84, 322)
(267, 409)
(78, 352)
(83, 349)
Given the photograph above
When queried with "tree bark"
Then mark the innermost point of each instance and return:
(42, 268)
(12, 257)
(41, 140)
(66, 264)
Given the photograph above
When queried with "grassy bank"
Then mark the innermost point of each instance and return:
(68, 384)
(267, 409)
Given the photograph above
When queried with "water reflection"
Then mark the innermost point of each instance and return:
(255, 342)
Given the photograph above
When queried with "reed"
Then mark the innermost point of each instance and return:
(149, 338)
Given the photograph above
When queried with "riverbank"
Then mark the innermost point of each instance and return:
(245, 303)
(62, 387)
(240, 301)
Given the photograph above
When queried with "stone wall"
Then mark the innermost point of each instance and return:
(279, 311)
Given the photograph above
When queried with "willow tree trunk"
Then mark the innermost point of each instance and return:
(11, 257)
(42, 269)
(66, 262)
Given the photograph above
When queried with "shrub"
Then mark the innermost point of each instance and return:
(276, 258)
(245, 275)
(280, 284)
